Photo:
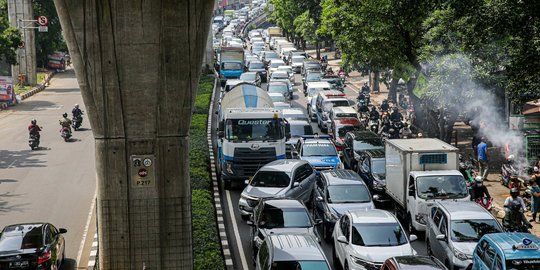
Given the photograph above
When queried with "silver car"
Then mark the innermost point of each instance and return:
(453, 230)
(285, 178)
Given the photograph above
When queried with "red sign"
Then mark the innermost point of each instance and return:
(142, 172)
(42, 20)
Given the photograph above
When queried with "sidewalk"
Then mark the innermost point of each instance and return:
(462, 141)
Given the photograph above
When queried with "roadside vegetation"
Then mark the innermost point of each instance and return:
(206, 247)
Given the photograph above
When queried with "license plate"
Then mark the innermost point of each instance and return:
(20, 264)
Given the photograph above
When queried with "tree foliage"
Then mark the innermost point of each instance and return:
(10, 38)
(51, 41)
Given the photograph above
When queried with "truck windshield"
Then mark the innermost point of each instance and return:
(231, 66)
(254, 129)
(441, 187)
(469, 230)
(523, 264)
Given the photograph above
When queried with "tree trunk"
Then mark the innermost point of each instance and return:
(392, 91)
(376, 87)
(318, 49)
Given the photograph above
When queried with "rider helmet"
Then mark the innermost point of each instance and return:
(76, 106)
(33, 121)
(64, 115)
(535, 169)
(478, 179)
(514, 192)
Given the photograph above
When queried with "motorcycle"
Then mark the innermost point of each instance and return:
(507, 171)
(384, 114)
(374, 125)
(76, 122)
(396, 128)
(65, 133)
(33, 142)
(485, 202)
(515, 221)
(324, 65)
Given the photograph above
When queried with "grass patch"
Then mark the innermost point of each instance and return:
(206, 246)
(23, 89)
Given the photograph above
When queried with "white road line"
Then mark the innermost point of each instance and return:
(85, 233)
(236, 232)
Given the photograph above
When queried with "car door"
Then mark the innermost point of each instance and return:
(341, 248)
(319, 202)
(303, 190)
(364, 170)
(434, 230)
(53, 241)
(443, 248)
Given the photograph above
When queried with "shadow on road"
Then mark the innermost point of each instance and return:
(6, 206)
(7, 181)
(69, 264)
(20, 159)
(36, 105)
(62, 90)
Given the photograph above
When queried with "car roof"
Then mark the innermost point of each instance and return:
(416, 262)
(362, 135)
(349, 121)
(289, 247)
(296, 121)
(278, 82)
(284, 165)
(506, 242)
(317, 140)
(458, 210)
(342, 177)
(371, 216)
(284, 203)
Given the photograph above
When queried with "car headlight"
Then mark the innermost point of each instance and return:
(229, 167)
(363, 262)
(460, 255)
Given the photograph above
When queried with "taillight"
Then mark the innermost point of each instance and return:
(339, 147)
(44, 257)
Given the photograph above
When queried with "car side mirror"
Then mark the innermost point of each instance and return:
(246, 181)
(412, 192)
(296, 184)
(342, 239)
(440, 237)
(413, 237)
(318, 221)
(62, 230)
(376, 197)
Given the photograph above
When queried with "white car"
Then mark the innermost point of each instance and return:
(364, 239)
(274, 64)
(279, 100)
(289, 71)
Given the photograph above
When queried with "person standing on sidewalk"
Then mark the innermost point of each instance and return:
(483, 158)
(535, 202)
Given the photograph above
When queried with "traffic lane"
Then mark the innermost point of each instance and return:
(57, 182)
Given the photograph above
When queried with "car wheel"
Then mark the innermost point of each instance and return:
(227, 184)
(346, 266)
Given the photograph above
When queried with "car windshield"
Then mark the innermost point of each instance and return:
(248, 77)
(311, 92)
(18, 237)
(271, 55)
(348, 194)
(378, 234)
(342, 130)
(523, 264)
(232, 66)
(256, 65)
(270, 179)
(254, 129)
(318, 150)
(296, 265)
(298, 60)
(280, 75)
(313, 77)
(276, 64)
(285, 218)
(278, 98)
(278, 88)
(468, 230)
(365, 144)
(301, 130)
(441, 186)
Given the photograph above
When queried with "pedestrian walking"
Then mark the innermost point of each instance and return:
(535, 202)
(483, 158)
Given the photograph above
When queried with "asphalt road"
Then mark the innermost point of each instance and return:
(237, 229)
(57, 182)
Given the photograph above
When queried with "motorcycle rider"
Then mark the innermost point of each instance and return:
(515, 199)
(535, 177)
(329, 71)
(34, 129)
(65, 122)
(76, 112)
(385, 106)
(374, 114)
(362, 106)
(479, 190)
(386, 127)
(405, 132)
(396, 116)
(365, 88)
(514, 218)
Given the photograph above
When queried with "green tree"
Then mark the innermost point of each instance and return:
(51, 41)
(10, 38)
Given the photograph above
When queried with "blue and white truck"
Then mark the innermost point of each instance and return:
(231, 63)
(251, 133)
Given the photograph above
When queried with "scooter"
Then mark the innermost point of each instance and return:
(374, 125)
(485, 202)
(76, 122)
(396, 127)
(507, 170)
(65, 133)
(33, 142)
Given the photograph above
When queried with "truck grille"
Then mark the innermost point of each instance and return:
(247, 162)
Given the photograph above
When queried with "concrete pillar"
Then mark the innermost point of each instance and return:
(20, 11)
(138, 66)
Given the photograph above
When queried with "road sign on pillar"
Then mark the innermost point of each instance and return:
(43, 20)
(143, 171)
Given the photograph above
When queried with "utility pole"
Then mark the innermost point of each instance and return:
(21, 16)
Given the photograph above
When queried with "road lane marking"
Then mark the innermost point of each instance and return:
(85, 232)
(236, 231)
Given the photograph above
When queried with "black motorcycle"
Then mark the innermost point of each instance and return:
(33, 142)
(76, 122)
(396, 127)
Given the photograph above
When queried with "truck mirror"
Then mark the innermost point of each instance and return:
(412, 192)
(220, 134)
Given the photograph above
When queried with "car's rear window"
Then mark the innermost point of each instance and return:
(21, 237)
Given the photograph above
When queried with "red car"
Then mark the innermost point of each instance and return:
(339, 127)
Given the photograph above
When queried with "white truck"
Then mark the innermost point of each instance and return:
(251, 133)
(419, 172)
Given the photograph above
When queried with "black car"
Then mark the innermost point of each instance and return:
(357, 141)
(336, 192)
(372, 169)
(413, 263)
(32, 246)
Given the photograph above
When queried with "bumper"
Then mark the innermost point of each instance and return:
(244, 208)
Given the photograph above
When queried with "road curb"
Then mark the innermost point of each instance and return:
(38, 88)
(93, 254)
(224, 241)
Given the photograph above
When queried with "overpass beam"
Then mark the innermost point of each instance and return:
(138, 66)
